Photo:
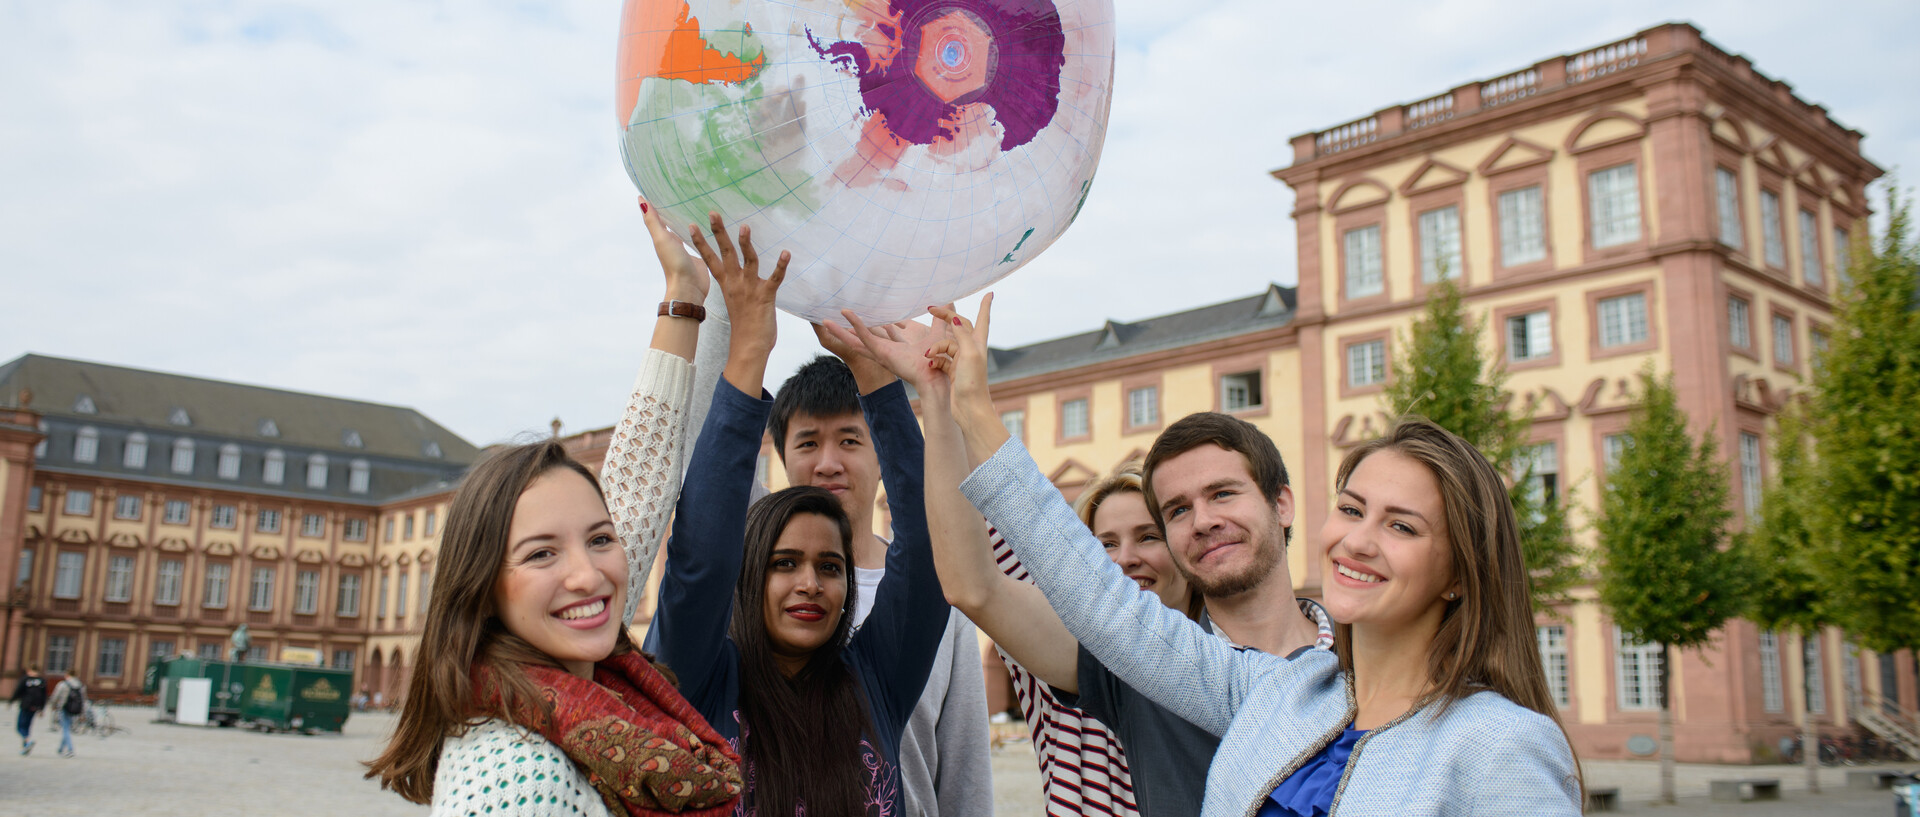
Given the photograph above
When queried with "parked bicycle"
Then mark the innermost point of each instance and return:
(98, 720)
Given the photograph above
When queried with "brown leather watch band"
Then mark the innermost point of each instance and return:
(683, 309)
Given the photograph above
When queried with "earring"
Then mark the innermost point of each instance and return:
(1452, 595)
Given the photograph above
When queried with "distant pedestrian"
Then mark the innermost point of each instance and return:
(70, 701)
(31, 696)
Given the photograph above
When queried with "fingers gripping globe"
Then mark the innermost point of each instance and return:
(908, 152)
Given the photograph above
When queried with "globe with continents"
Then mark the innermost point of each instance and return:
(908, 152)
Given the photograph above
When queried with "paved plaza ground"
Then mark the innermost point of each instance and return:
(182, 771)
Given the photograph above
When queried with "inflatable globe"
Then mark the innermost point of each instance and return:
(907, 152)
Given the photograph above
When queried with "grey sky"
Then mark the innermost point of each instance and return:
(422, 203)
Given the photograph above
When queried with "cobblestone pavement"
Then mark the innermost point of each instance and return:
(163, 770)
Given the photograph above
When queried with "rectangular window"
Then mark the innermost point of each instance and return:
(390, 524)
(1750, 476)
(157, 650)
(1239, 392)
(69, 569)
(209, 650)
(1613, 201)
(1143, 406)
(80, 503)
(317, 472)
(113, 657)
(400, 598)
(426, 587)
(1439, 244)
(224, 516)
(59, 654)
(1772, 695)
(261, 597)
(313, 525)
(1636, 672)
(1363, 262)
(1810, 249)
(1523, 232)
(1739, 323)
(229, 463)
(167, 580)
(381, 609)
(306, 592)
(134, 456)
(348, 602)
(120, 578)
(1553, 655)
(1073, 418)
(1773, 242)
(1015, 422)
(1367, 363)
(343, 659)
(35, 498)
(273, 470)
(86, 445)
(406, 527)
(24, 573)
(1783, 340)
(1623, 320)
(1530, 336)
(426, 527)
(1539, 464)
(126, 507)
(356, 530)
(267, 522)
(1816, 676)
(177, 512)
(216, 595)
(1726, 187)
(1820, 341)
(256, 654)
(1612, 447)
(182, 456)
(1842, 257)
(358, 475)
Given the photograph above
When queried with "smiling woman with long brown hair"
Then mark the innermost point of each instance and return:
(529, 697)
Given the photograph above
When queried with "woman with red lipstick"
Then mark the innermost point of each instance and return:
(756, 604)
(524, 662)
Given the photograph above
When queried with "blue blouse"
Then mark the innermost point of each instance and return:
(1309, 791)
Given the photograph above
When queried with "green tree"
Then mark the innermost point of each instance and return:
(1866, 421)
(1443, 377)
(1778, 547)
(1663, 517)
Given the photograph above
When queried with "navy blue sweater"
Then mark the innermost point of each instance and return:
(889, 657)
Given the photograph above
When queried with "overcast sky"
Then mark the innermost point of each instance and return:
(422, 203)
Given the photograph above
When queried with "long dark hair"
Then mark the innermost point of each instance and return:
(1486, 638)
(462, 630)
(800, 736)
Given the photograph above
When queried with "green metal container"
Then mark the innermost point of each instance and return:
(163, 679)
(290, 696)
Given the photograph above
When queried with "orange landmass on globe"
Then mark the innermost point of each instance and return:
(661, 38)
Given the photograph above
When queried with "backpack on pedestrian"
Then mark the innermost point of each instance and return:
(76, 699)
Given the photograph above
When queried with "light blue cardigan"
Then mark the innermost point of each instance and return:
(1485, 756)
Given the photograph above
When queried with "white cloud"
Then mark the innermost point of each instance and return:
(422, 203)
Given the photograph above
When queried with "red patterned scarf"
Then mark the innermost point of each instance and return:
(640, 744)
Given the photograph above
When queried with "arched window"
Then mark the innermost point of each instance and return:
(274, 470)
(230, 461)
(135, 456)
(317, 471)
(40, 448)
(86, 444)
(183, 456)
(358, 474)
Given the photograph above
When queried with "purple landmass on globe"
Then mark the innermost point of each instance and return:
(1018, 75)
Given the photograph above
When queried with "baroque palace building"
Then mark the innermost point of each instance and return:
(1651, 201)
(145, 514)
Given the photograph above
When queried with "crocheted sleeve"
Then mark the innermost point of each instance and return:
(641, 476)
(497, 768)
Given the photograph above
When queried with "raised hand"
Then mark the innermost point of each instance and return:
(686, 275)
(750, 300)
(903, 348)
(963, 356)
(868, 374)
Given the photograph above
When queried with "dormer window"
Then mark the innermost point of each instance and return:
(269, 429)
(317, 471)
(180, 417)
(351, 439)
(84, 405)
(432, 450)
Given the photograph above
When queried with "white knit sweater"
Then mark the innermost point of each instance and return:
(497, 768)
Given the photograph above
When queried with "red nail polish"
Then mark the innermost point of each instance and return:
(643, 207)
(956, 321)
